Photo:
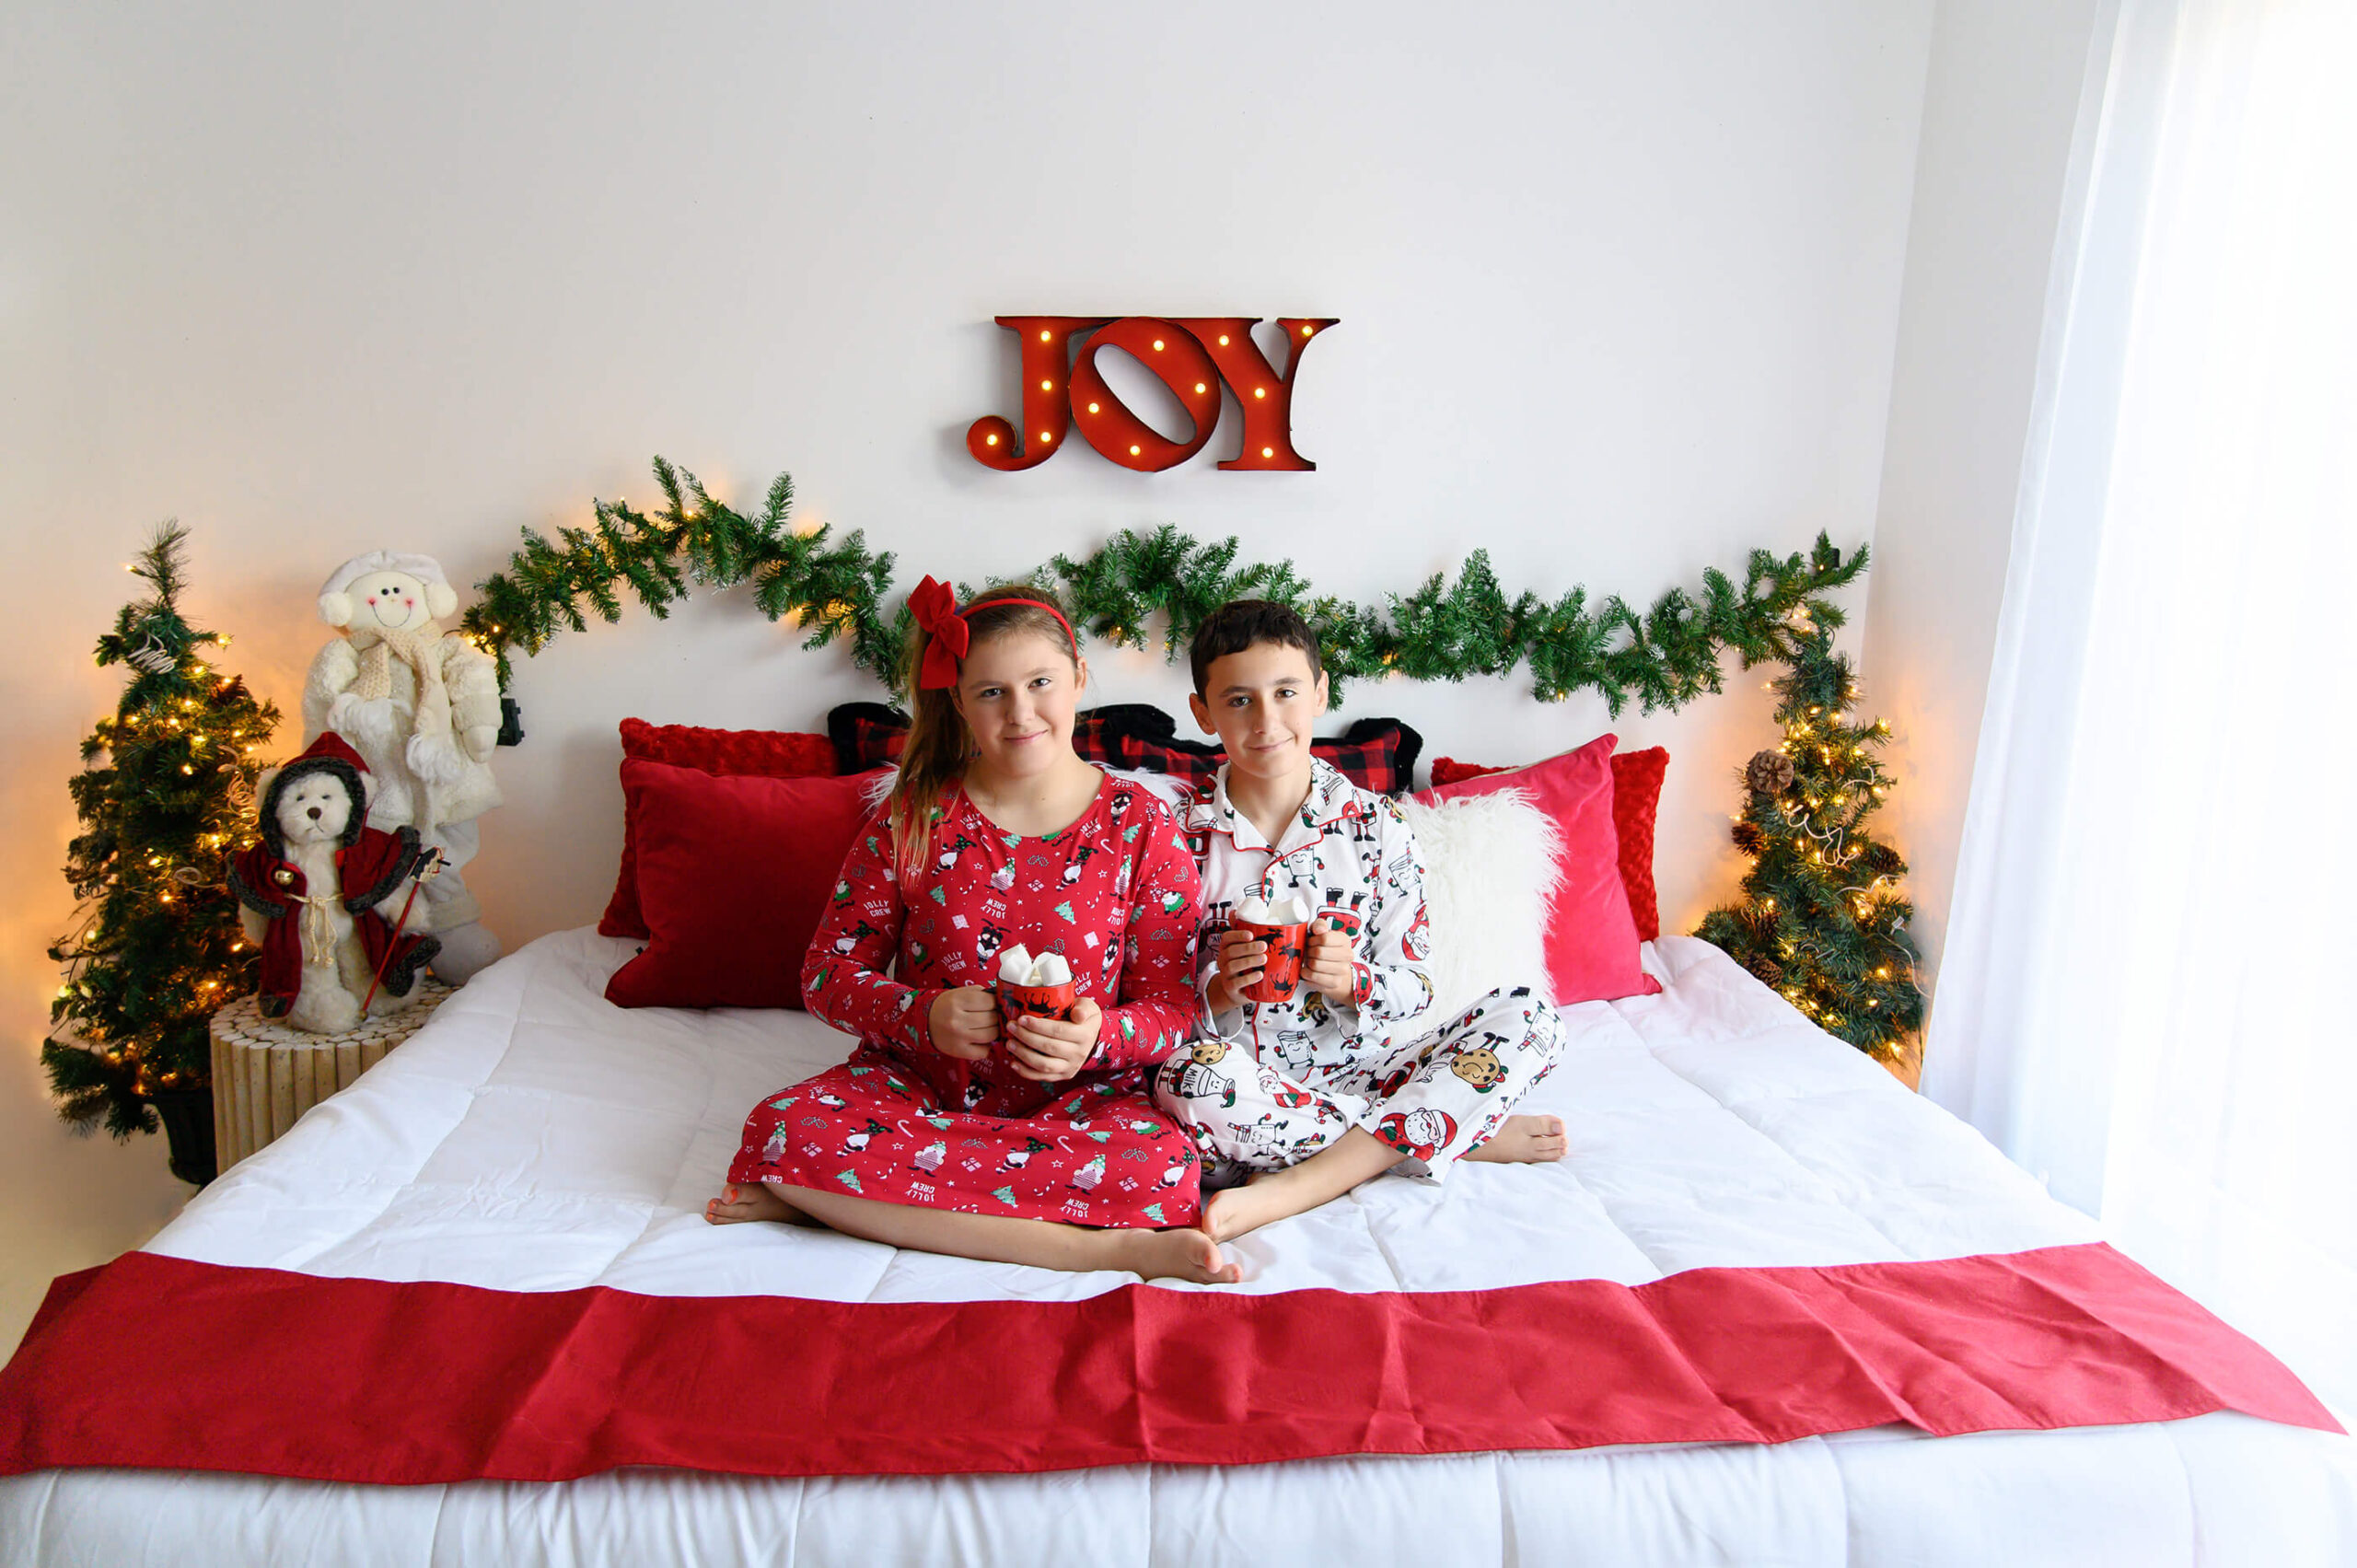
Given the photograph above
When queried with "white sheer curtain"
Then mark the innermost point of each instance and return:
(2147, 996)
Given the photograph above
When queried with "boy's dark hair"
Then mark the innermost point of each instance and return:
(1238, 624)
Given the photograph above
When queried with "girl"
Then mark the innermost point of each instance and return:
(1039, 1143)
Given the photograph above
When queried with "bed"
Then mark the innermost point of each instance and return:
(536, 1142)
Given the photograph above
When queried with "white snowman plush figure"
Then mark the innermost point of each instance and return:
(420, 705)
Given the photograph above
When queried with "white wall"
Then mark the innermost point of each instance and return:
(2000, 107)
(1617, 287)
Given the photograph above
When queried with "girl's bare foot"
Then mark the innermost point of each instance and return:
(754, 1200)
(1172, 1255)
(1524, 1140)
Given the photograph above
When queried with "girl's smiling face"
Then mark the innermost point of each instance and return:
(1018, 694)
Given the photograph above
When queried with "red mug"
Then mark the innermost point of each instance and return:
(1281, 970)
(1036, 1000)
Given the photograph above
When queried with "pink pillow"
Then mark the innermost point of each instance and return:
(733, 875)
(1590, 935)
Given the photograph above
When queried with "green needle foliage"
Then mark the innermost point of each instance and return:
(1822, 918)
(1443, 630)
(166, 797)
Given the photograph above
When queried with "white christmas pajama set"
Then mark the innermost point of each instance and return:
(1270, 1084)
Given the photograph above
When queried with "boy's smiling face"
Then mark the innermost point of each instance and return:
(1261, 704)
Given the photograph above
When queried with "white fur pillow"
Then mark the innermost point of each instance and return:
(1490, 881)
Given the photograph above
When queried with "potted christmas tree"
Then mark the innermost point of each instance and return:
(1822, 918)
(165, 798)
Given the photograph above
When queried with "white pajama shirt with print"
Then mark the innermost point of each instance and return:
(1270, 1084)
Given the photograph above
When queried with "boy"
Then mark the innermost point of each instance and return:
(1352, 1076)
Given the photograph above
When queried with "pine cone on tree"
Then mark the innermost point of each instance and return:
(1769, 971)
(1884, 861)
(1768, 773)
(1748, 836)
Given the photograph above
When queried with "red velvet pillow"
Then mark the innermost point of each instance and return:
(724, 753)
(1590, 935)
(1636, 799)
(733, 875)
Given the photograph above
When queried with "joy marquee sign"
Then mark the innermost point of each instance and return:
(1192, 356)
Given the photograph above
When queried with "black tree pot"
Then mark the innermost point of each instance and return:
(188, 1124)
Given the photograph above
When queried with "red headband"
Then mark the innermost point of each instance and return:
(935, 605)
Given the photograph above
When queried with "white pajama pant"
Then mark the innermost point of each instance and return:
(1434, 1098)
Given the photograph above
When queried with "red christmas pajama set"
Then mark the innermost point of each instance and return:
(1117, 894)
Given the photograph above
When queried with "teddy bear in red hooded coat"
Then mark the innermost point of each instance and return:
(323, 895)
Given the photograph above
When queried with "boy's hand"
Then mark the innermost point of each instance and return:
(1242, 956)
(965, 1022)
(1047, 1051)
(1326, 966)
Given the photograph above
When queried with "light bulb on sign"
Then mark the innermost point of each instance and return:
(1158, 345)
(1134, 451)
(990, 440)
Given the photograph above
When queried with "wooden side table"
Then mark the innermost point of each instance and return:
(265, 1075)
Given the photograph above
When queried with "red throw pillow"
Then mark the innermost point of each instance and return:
(1636, 800)
(733, 875)
(724, 753)
(1590, 935)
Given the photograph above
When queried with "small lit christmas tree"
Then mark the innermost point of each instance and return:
(166, 797)
(1822, 918)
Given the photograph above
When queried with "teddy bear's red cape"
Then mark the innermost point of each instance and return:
(370, 868)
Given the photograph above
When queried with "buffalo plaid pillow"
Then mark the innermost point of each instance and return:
(870, 735)
(1376, 754)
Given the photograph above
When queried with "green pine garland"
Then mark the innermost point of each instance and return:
(1443, 630)
(166, 797)
(1822, 919)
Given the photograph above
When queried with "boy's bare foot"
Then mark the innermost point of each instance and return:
(754, 1200)
(1263, 1200)
(1173, 1255)
(1524, 1140)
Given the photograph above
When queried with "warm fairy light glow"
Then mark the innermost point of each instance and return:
(1259, 391)
(1046, 437)
(1046, 337)
(1092, 407)
(1305, 331)
(1200, 389)
(1158, 345)
(990, 440)
(1268, 452)
(1134, 451)
(1047, 386)
(1223, 340)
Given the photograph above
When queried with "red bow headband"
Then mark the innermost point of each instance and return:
(935, 605)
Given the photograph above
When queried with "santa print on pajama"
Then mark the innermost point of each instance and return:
(1116, 894)
(1273, 1083)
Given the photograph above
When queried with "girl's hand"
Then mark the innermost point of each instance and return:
(1047, 1051)
(965, 1022)
(1326, 966)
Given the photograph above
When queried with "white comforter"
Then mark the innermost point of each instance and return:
(535, 1138)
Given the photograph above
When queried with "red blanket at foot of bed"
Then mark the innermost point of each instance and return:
(359, 1380)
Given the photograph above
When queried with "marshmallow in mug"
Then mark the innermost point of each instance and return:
(1290, 909)
(1016, 966)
